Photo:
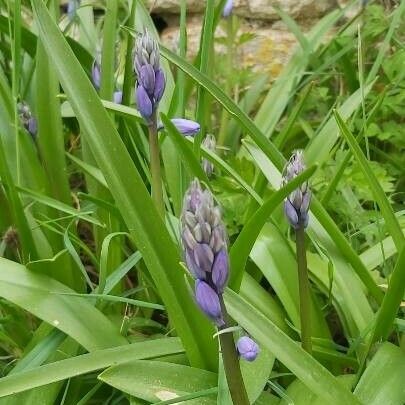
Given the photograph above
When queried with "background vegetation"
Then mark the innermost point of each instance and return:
(95, 304)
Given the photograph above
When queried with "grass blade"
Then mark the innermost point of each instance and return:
(158, 250)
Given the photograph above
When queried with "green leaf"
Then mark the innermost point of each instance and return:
(58, 205)
(236, 112)
(288, 352)
(391, 302)
(387, 212)
(156, 380)
(41, 296)
(256, 373)
(318, 149)
(185, 151)
(276, 260)
(132, 198)
(86, 363)
(118, 109)
(382, 381)
(299, 394)
(279, 95)
(322, 224)
(243, 245)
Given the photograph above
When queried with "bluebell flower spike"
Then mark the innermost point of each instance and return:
(205, 249)
(151, 80)
(296, 205)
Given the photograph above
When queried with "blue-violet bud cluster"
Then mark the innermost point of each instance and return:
(205, 249)
(296, 205)
(151, 80)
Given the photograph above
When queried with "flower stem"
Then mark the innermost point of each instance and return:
(156, 176)
(231, 362)
(305, 297)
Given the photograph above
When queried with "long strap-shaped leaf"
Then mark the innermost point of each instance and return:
(42, 296)
(304, 366)
(78, 365)
(132, 198)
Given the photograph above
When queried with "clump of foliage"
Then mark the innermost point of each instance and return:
(269, 283)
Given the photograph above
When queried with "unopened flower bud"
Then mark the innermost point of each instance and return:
(27, 119)
(117, 97)
(220, 270)
(96, 74)
(72, 7)
(247, 348)
(32, 126)
(144, 103)
(227, 11)
(209, 143)
(296, 205)
(208, 300)
(184, 126)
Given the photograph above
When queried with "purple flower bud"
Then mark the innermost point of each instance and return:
(209, 143)
(193, 197)
(192, 266)
(72, 7)
(247, 348)
(146, 78)
(203, 256)
(208, 300)
(143, 103)
(186, 127)
(27, 119)
(296, 205)
(220, 270)
(291, 213)
(32, 126)
(96, 74)
(227, 8)
(117, 97)
(160, 84)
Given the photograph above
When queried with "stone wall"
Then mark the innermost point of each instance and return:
(272, 43)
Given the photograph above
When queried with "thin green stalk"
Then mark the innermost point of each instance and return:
(228, 78)
(128, 79)
(181, 77)
(108, 53)
(14, 26)
(156, 176)
(231, 362)
(305, 297)
(206, 44)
